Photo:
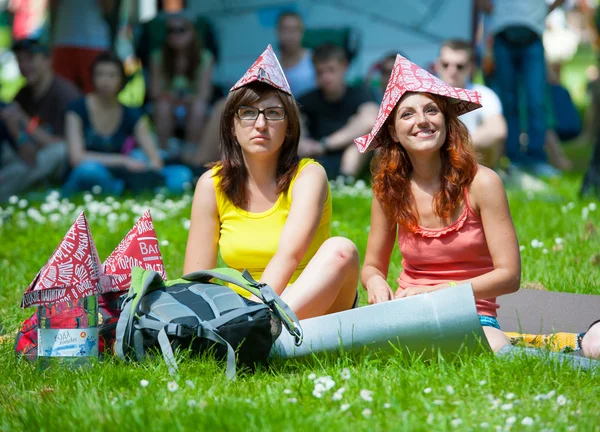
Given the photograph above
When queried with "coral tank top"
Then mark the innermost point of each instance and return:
(452, 254)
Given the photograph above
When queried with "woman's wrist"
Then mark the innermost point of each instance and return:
(374, 281)
(323, 141)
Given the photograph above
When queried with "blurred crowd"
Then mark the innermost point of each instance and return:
(67, 128)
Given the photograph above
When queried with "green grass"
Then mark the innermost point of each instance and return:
(109, 396)
(484, 389)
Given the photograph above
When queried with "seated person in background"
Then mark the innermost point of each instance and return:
(264, 209)
(383, 68)
(486, 125)
(296, 60)
(98, 127)
(181, 85)
(334, 114)
(32, 147)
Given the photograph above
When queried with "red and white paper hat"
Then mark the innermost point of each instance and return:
(265, 69)
(408, 77)
(72, 272)
(139, 248)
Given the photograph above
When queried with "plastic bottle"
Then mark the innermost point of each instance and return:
(68, 332)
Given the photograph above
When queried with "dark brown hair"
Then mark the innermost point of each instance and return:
(232, 170)
(328, 51)
(392, 171)
(112, 58)
(192, 52)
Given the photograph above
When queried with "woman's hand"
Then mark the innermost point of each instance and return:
(379, 292)
(135, 165)
(413, 291)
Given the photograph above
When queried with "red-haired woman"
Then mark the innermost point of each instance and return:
(265, 210)
(450, 214)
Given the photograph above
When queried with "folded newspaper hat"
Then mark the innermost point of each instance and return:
(138, 248)
(408, 77)
(72, 272)
(265, 69)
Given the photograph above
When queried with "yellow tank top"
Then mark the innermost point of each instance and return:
(249, 240)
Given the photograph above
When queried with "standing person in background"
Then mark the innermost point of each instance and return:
(28, 18)
(98, 127)
(296, 60)
(334, 114)
(80, 31)
(32, 147)
(181, 86)
(517, 27)
(486, 125)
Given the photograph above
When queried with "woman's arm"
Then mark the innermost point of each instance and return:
(382, 236)
(204, 80)
(489, 198)
(145, 141)
(309, 195)
(203, 237)
(78, 153)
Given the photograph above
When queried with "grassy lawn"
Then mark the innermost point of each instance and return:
(469, 393)
(560, 242)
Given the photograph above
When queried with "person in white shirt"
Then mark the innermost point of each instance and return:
(486, 125)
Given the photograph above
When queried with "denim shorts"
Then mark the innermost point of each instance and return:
(489, 321)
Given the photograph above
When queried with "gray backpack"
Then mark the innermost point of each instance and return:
(196, 313)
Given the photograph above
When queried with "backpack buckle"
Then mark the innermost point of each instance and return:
(179, 330)
(297, 331)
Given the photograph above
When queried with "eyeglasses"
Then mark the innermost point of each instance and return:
(176, 30)
(458, 66)
(252, 113)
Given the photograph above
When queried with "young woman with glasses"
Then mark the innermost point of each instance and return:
(265, 210)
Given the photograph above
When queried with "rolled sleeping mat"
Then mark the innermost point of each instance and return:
(443, 321)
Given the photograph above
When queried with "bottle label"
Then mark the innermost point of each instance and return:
(68, 342)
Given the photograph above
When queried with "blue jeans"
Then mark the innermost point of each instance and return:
(522, 68)
(91, 173)
(176, 176)
(88, 174)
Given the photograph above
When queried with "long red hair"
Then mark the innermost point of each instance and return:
(392, 171)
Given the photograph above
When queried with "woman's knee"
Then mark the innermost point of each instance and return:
(341, 251)
(198, 110)
(90, 169)
(162, 109)
(496, 338)
(590, 344)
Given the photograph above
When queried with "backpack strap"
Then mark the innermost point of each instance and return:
(205, 330)
(142, 281)
(261, 290)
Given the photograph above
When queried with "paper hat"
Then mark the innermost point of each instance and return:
(72, 272)
(408, 77)
(265, 69)
(139, 248)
